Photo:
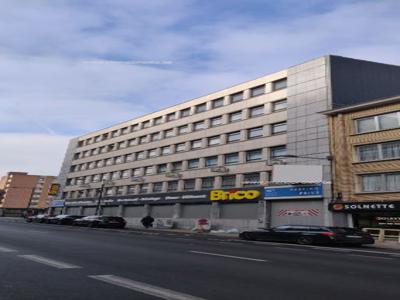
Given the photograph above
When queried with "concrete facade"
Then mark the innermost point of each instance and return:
(208, 146)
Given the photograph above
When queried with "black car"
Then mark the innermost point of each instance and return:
(100, 221)
(63, 219)
(307, 235)
(41, 218)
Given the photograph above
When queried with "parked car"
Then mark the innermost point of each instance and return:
(41, 218)
(307, 235)
(100, 221)
(63, 219)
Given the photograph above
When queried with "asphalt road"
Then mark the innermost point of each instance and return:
(39, 261)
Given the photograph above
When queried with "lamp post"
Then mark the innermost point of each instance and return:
(100, 197)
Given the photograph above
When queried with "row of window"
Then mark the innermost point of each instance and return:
(379, 151)
(227, 181)
(231, 137)
(256, 91)
(379, 122)
(210, 161)
(384, 182)
(156, 136)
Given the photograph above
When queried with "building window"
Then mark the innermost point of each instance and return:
(157, 121)
(98, 138)
(211, 161)
(189, 185)
(279, 128)
(96, 178)
(142, 139)
(200, 108)
(124, 130)
(109, 162)
(155, 136)
(131, 189)
(185, 112)
(236, 97)
(254, 155)
(231, 158)
(168, 133)
(100, 163)
(258, 90)
(217, 103)
(157, 187)
(228, 181)
(162, 168)
(170, 117)
(165, 150)
(109, 191)
(146, 124)
(144, 188)
(131, 142)
(255, 132)
(214, 140)
(199, 125)
(196, 144)
(125, 174)
(128, 158)
(233, 137)
(193, 163)
(180, 147)
(380, 122)
(119, 159)
(256, 111)
(140, 155)
(207, 183)
(136, 172)
(152, 153)
(279, 84)
(105, 176)
(177, 166)
(216, 121)
(235, 116)
(92, 165)
(251, 179)
(114, 133)
(148, 170)
(172, 186)
(277, 152)
(386, 182)
(120, 191)
(279, 105)
(388, 150)
(135, 127)
(183, 129)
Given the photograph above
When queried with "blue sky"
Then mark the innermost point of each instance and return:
(71, 67)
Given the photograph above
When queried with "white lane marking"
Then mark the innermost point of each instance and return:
(144, 288)
(370, 256)
(5, 249)
(49, 262)
(229, 256)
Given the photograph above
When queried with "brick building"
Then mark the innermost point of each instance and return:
(365, 141)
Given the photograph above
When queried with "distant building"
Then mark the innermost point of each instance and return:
(21, 191)
(200, 158)
(365, 141)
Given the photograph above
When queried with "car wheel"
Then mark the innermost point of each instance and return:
(304, 240)
(247, 236)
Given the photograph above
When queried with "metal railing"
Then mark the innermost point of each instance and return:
(383, 234)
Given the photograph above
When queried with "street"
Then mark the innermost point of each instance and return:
(39, 261)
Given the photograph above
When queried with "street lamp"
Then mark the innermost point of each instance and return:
(100, 191)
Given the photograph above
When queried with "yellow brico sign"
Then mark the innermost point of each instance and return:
(220, 195)
(53, 190)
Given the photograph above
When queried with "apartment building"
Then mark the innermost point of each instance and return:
(212, 156)
(22, 191)
(366, 143)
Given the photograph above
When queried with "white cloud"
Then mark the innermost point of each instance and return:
(38, 154)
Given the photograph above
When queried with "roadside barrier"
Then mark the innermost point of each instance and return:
(383, 234)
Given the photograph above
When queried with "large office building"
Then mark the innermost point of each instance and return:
(365, 140)
(21, 191)
(213, 156)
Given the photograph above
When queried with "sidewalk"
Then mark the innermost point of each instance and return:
(388, 245)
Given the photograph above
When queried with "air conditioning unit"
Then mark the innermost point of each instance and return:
(173, 175)
(219, 169)
(137, 179)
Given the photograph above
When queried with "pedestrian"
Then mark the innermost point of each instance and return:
(147, 221)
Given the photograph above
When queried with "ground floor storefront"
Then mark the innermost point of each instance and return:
(242, 208)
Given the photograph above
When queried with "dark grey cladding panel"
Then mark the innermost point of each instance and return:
(357, 81)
